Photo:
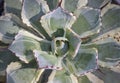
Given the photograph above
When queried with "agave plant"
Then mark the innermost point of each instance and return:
(60, 41)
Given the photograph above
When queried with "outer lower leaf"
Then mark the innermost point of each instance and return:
(110, 36)
(25, 75)
(57, 19)
(83, 79)
(72, 5)
(13, 6)
(25, 43)
(106, 75)
(47, 61)
(84, 62)
(5, 58)
(87, 19)
(8, 28)
(109, 53)
(74, 42)
(97, 3)
(62, 77)
(110, 17)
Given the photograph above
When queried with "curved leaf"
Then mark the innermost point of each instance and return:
(74, 42)
(72, 5)
(25, 75)
(13, 6)
(25, 43)
(62, 77)
(47, 61)
(110, 17)
(32, 11)
(84, 62)
(8, 28)
(57, 19)
(87, 19)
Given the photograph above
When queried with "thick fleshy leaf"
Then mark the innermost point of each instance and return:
(87, 19)
(52, 3)
(110, 36)
(15, 74)
(72, 5)
(84, 62)
(109, 54)
(32, 11)
(97, 3)
(110, 17)
(57, 19)
(62, 77)
(74, 42)
(6, 57)
(47, 61)
(25, 43)
(106, 75)
(8, 28)
(13, 6)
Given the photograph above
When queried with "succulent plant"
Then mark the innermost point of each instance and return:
(60, 41)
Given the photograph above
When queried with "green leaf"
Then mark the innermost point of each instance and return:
(110, 17)
(84, 62)
(25, 43)
(62, 77)
(47, 61)
(109, 54)
(13, 6)
(52, 3)
(74, 42)
(15, 74)
(8, 28)
(87, 19)
(97, 3)
(6, 57)
(72, 5)
(32, 11)
(106, 75)
(57, 19)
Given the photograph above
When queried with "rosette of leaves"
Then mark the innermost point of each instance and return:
(69, 38)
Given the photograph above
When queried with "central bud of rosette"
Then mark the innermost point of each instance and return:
(60, 46)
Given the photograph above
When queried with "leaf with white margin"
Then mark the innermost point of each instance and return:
(57, 19)
(14, 7)
(8, 28)
(17, 74)
(32, 10)
(72, 5)
(74, 42)
(97, 3)
(84, 62)
(110, 17)
(47, 61)
(87, 19)
(110, 36)
(62, 77)
(25, 43)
